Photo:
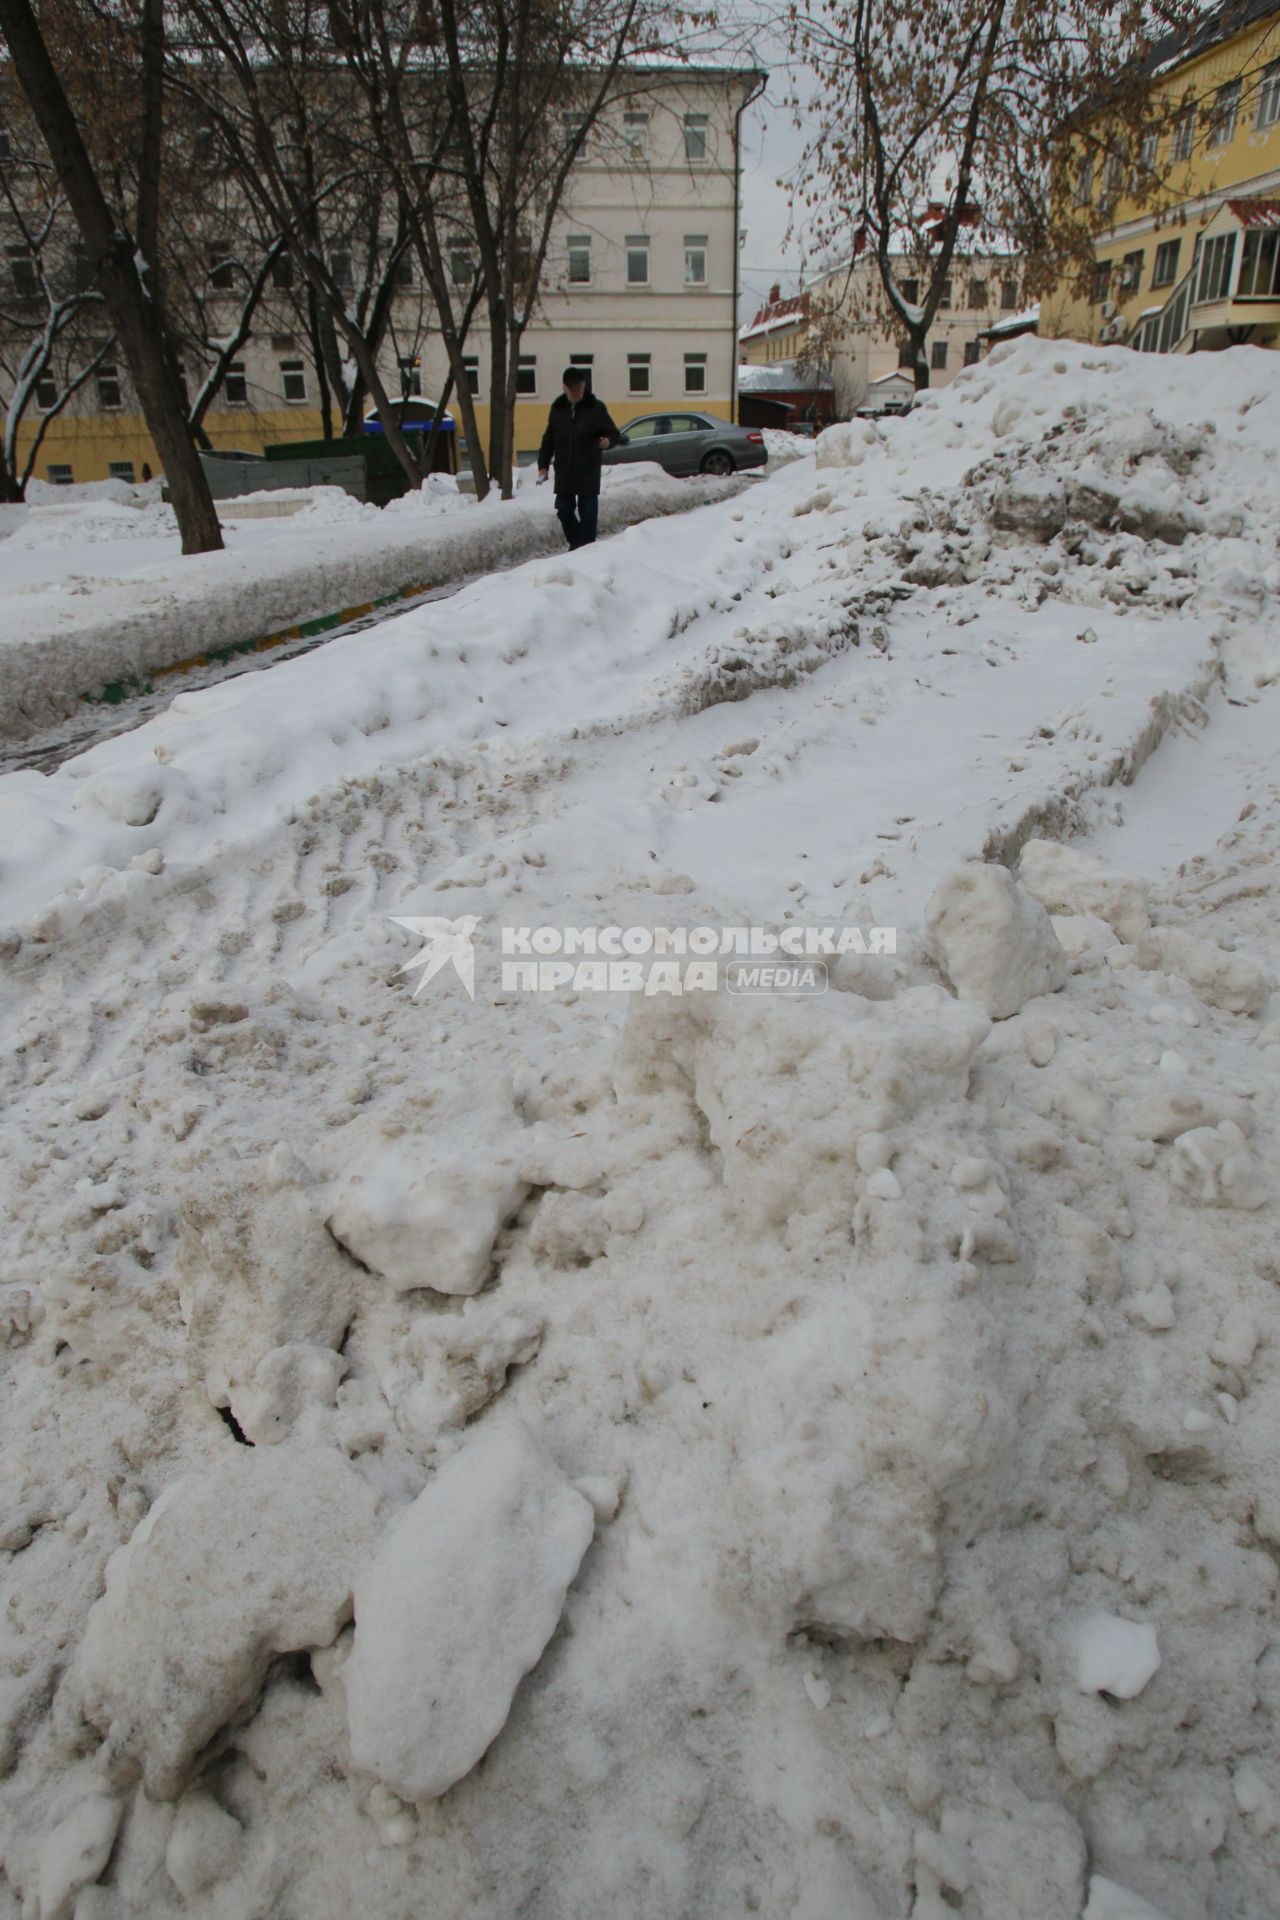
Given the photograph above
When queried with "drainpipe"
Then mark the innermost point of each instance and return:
(762, 81)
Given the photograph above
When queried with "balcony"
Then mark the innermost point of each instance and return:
(1231, 293)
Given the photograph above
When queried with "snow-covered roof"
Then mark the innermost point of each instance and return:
(782, 377)
(1256, 213)
(1025, 322)
(775, 314)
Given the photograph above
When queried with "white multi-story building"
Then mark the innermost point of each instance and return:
(640, 288)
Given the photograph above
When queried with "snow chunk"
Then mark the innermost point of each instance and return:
(1218, 978)
(256, 1271)
(76, 1852)
(1110, 1901)
(458, 1605)
(1115, 1656)
(228, 1569)
(205, 1845)
(1069, 882)
(993, 941)
(1214, 1166)
(422, 1225)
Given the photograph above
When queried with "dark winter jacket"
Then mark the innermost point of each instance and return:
(572, 441)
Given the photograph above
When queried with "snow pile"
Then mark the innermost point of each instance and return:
(758, 1452)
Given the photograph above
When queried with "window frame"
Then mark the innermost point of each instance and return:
(235, 372)
(471, 367)
(579, 244)
(1224, 115)
(695, 363)
(697, 127)
(46, 379)
(527, 377)
(295, 369)
(635, 245)
(1267, 112)
(640, 364)
(116, 471)
(1183, 140)
(106, 381)
(972, 352)
(1259, 242)
(1170, 250)
(635, 133)
(696, 245)
(60, 473)
(938, 356)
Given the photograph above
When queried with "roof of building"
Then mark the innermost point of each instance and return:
(1256, 213)
(781, 377)
(1014, 323)
(1222, 23)
(778, 313)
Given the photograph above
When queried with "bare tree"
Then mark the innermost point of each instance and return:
(120, 254)
(946, 126)
(45, 306)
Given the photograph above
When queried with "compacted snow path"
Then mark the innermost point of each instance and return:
(669, 1454)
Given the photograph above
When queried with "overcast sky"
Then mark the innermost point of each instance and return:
(771, 147)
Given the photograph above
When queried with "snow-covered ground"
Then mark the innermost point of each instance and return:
(94, 590)
(655, 1455)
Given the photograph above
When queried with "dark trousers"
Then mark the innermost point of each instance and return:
(578, 513)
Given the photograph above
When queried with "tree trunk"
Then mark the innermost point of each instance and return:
(119, 273)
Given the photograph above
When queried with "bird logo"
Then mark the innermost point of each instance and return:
(443, 941)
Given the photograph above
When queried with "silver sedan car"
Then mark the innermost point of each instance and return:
(684, 443)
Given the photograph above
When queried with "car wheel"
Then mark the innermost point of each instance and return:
(718, 462)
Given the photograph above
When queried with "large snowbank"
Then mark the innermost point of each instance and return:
(852, 1488)
(95, 592)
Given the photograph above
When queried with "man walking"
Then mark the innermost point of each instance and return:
(578, 431)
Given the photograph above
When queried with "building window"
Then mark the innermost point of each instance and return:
(122, 470)
(1148, 150)
(938, 356)
(403, 276)
(574, 124)
(695, 373)
(910, 291)
(1184, 135)
(638, 373)
(637, 260)
(293, 378)
(460, 269)
(235, 388)
(59, 475)
(1217, 258)
(1131, 271)
(1009, 295)
(340, 268)
(46, 392)
(695, 259)
(1165, 269)
(527, 374)
(579, 259)
(1260, 266)
(1269, 96)
(108, 389)
(695, 136)
(22, 272)
(1112, 179)
(6, 146)
(945, 299)
(410, 377)
(977, 294)
(1101, 288)
(1084, 182)
(971, 353)
(282, 272)
(222, 271)
(471, 365)
(1222, 115)
(635, 134)
(907, 356)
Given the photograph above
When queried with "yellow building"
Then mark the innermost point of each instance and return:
(780, 330)
(1199, 265)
